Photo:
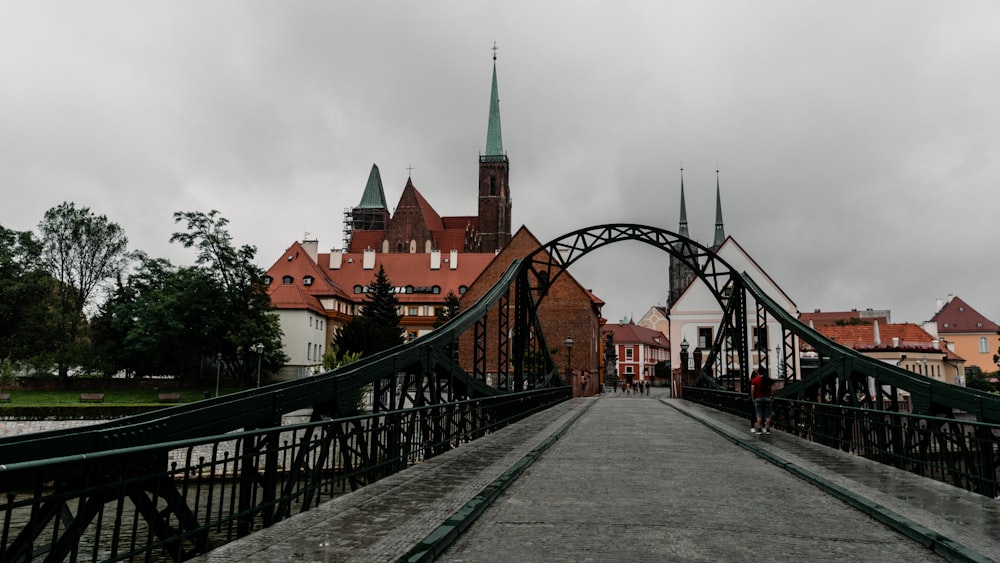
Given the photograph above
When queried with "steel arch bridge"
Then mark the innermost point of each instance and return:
(487, 367)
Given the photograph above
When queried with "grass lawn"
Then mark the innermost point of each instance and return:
(123, 397)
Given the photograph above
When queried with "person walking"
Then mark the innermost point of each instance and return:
(762, 393)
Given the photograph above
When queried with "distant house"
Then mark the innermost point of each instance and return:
(696, 315)
(656, 319)
(638, 350)
(316, 293)
(905, 345)
(966, 331)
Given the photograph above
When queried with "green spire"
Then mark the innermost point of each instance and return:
(720, 231)
(494, 142)
(683, 227)
(374, 196)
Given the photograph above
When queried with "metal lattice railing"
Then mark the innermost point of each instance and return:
(963, 453)
(176, 500)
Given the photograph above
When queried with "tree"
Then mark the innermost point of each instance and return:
(26, 299)
(240, 316)
(450, 310)
(377, 327)
(81, 251)
(161, 321)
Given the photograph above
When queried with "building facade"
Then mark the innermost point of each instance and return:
(425, 256)
(638, 349)
(968, 332)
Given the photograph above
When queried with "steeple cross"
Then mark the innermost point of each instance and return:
(409, 171)
(494, 49)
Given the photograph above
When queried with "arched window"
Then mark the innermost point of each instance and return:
(267, 280)
(984, 345)
(287, 279)
(436, 289)
(359, 289)
(399, 247)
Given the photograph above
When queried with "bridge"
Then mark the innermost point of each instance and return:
(180, 482)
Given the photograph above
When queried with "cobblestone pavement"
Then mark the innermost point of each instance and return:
(635, 478)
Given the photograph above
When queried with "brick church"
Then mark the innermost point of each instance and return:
(426, 256)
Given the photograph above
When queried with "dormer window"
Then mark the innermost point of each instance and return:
(462, 289)
(308, 280)
(358, 289)
(287, 279)
(267, 280)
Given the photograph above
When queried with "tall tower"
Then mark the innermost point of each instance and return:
(720, 231)
(372, 213)
(494, 173)
(680, 275)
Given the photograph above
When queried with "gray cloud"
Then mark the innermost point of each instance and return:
(856, 143)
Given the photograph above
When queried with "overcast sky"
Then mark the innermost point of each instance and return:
(858, 142)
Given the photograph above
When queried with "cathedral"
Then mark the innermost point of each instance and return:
(417, 228)
(425, 256)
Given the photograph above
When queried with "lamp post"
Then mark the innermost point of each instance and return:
(259, 349)
(684, 368)
(218, 371)
(569, 370)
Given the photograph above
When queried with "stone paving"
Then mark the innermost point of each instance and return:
(636, 478)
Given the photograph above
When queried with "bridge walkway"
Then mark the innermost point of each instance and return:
(631, 478)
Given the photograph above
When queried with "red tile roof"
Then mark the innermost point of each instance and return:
(957, 316)
(862, 337)
(291, 296)
(631, 333)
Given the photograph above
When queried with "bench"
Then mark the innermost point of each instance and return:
(168, 397)
(91, 397)
(4, 397)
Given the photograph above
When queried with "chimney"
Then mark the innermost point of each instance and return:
(453, 259)
(938, 303)
(878, 337)
(435, 259)
(336, 258)
(311, 247)
(895, 342)
(368, 260)
(936, 344)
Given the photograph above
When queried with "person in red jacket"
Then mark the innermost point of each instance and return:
(762, 392)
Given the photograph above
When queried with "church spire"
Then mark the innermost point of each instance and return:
(373, 196)
(720, 231)
(494, 140)
(683, 227)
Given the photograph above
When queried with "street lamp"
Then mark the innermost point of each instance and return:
(679, 386)
(259, 349)
(569, 371)
(218, 371)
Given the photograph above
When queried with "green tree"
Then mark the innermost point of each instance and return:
(161, 321)
(26, 299)
(81, 251)
(449, 311)
(7, 378)
(239, 315)
(377, 327)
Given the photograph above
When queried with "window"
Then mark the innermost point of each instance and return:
(411, 336)
(629, 353)
(308, 280)
(705, 337)
(979, 325)
(462, 289)
(628, 370)
(359, 289)
(983, 345)
(267, 280)
(436, 289)
(412, 311)
(760, 339)
(287, 279)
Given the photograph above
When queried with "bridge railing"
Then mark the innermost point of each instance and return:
(183, 498)
(962, 453)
